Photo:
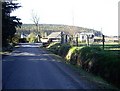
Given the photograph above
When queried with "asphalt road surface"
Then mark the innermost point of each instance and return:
(31, 67)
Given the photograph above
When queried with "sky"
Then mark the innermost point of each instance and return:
(101, 15)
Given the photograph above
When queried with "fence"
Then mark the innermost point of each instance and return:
(107, 43)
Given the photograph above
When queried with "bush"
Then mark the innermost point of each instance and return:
(15, 39)
(32, 38)
(93, 59)
(70, 52)
(22, 40)
(103, 63)
(60, 49)
(86, 57)
(54, 47)
(73, 55)
(63, 49)
(107, 65)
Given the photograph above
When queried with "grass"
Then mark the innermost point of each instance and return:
(107, 46)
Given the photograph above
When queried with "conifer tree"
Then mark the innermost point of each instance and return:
(9, 23)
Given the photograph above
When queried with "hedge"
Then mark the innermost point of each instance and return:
(107, 65)
(54, 47)
(102, 63)
(63, 50)
(72, 55)
(92, 59)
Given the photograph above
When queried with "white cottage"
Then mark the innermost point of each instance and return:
(83, 37)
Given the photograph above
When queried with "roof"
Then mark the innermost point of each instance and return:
(54, 35)
(87, 33)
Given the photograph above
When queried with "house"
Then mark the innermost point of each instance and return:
(84, 36)
(56, 37)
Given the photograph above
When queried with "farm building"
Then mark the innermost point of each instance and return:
(56, 37)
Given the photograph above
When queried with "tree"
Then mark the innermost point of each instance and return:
(36, 19)
(31, 38)
(9, 23)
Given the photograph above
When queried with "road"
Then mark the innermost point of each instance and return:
(31, 67)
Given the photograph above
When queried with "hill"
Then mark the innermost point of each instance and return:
(27, 28)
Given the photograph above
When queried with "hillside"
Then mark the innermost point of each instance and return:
(27, 28)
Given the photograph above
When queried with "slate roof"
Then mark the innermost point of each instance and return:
(54, 35)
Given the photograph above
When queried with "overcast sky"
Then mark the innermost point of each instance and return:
(94, 14)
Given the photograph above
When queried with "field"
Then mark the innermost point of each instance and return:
(107, 46)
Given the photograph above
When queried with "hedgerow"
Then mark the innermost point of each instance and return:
(92, 59)
(63, 50)
(73, 55)
(107, 65)
(54, 47)
(86, 57)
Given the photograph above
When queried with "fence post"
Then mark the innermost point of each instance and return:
(62, 38)
(77, 41)
(66, 39)
(103, 40)
(87, 40)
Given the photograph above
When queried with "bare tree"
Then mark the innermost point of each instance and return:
(36, 19)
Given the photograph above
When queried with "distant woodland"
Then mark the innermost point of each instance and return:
(48, 28)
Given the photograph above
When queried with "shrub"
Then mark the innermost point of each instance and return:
(54, 47)
(63, 49)
(107, 65)
(73, 59)
(93, 59)
(22, 40)
(32, 38)
(68, 56)
(73, 55)
(86, 57)
(103, 63)
(15, 39)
